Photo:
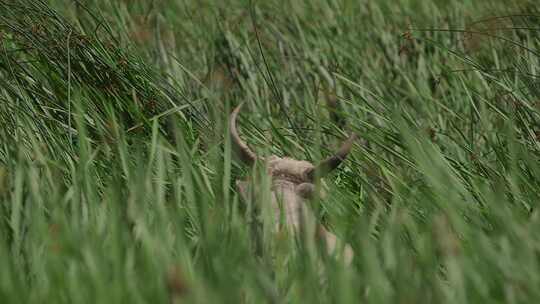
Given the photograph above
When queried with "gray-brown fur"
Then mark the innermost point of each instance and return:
(292, 186)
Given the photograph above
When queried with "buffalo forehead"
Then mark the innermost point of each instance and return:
(288, 167)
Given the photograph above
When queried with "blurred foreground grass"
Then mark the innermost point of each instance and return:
(116, 179)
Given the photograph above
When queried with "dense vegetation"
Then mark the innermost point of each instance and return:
(117, 177)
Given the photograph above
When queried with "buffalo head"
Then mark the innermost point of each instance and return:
(292, 184)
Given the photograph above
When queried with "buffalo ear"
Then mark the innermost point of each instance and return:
(242, 187)
(306, 190)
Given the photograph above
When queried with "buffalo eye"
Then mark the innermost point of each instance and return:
(305, 190)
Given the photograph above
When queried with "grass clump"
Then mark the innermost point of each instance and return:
(117, 177)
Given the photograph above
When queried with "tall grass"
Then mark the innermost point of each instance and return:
(117, 177)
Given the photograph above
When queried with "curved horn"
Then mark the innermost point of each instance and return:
(333, 161)
(246, 155)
